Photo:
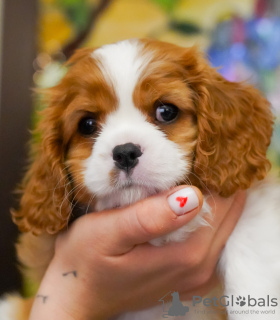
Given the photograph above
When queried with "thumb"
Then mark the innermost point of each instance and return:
(149, 218)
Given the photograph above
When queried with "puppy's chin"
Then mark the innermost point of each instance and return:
(123, 195)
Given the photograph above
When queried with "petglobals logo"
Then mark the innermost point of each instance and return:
(173, 307)
(233, 301)
(236, 305)
(260, 302)
(176, 308)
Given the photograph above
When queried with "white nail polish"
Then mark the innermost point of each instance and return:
(183, 201)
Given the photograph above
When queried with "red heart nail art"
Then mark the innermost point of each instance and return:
(182, 200)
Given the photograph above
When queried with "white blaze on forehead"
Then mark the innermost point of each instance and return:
(121, 64)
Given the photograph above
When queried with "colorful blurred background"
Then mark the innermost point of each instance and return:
(240, 37)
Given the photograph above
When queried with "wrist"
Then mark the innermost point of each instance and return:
(63, 295)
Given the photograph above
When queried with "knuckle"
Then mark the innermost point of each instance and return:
(204, 277)
(195, 259)
(146, 223)
(140, 222)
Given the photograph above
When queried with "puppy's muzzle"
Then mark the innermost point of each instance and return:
(126, 156)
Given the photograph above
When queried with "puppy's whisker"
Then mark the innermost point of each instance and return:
(89, 203)
(82, 187)
(74, 203)
(187, 181)
(201, 181)
(66, 197)
(199, 165)
(66, 183)
(209, 193)
(63, 177)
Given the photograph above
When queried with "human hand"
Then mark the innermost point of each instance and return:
(116, 270)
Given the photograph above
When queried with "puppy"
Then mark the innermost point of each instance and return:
(136, 118)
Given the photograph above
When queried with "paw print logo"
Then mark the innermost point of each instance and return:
(241, 301)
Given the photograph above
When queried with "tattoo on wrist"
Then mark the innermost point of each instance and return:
(44, 298)
(74, 272)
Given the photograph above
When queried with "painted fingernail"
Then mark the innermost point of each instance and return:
(183, 201)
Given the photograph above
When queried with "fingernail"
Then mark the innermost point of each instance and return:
(183, 201)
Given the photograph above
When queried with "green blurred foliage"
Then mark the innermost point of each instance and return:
(77, 11)
(167, 5)
(186, 28)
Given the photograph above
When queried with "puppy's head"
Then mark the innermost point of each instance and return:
(135, 118)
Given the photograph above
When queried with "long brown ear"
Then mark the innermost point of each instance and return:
(44, 206)
(234, 130)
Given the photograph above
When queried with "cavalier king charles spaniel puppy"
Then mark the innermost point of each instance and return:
(136, 118)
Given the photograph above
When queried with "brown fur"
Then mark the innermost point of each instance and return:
(226, 127)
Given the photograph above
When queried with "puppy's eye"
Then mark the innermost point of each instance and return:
(87, 126)
(166, 112)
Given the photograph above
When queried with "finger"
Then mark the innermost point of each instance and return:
(178, 256)
(204, 242)
(147, 219)
(227, 226)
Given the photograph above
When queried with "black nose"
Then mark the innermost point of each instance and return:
(126, 156)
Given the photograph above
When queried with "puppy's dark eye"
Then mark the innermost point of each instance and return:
(166, 112)
(87, 126)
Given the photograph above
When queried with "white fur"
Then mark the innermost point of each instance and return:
(6, 310)
(122, 63)
(9, 309)
(250, 263)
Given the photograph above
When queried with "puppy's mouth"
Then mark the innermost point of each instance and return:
(124, 180)
(125, 191)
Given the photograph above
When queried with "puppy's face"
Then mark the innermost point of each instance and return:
(135, 118)
(135, 125)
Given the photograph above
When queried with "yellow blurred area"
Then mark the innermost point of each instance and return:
(54, 30)
(47, 1)
(127, 19)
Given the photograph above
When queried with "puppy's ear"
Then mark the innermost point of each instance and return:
(44, 206)
(234, 130)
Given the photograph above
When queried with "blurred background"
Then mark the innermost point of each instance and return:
(241, 37)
